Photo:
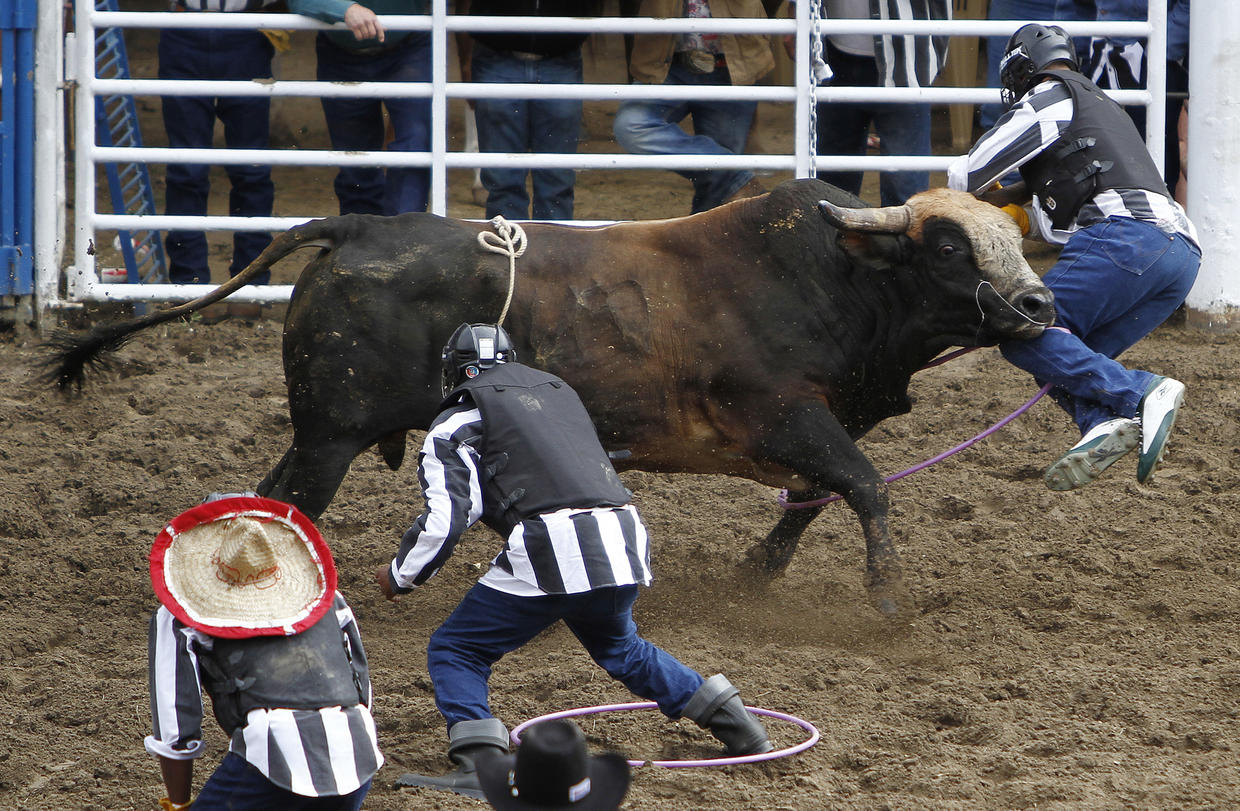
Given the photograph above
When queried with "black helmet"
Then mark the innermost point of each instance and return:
(1028, 52)
(473, 349)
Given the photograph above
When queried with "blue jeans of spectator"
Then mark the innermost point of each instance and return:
(1034, 11)
(238, 786)
(1114, 283)
(489, 623)
(189, 122)
(719, 127)
(356, 124)
(903, 129)
(528, 125)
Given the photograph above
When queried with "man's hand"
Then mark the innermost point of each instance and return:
(363, 22)
(383, 578)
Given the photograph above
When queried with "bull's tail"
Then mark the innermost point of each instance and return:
(72, 354)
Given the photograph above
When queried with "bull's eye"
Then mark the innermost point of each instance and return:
(947, 251)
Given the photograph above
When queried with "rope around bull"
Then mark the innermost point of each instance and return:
(508, 240)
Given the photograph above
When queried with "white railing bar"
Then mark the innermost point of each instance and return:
(485, 160)
(612, 25)
(187, 222)
(589, 92)
(92, 288)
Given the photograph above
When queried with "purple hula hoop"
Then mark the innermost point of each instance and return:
(683, 764)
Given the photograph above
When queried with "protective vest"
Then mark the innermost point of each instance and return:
(541, 452)
(1100, 150)
(307, 671)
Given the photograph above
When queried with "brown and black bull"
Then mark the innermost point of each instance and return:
(759, 339)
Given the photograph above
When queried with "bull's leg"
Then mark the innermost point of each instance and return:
(774, 553)
(811, 442)
(310, 473)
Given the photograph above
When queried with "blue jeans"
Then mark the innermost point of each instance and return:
(489, 623)
(357, 125)
(528, 125)
(1036, 11)
(720, 128)
(1114, 283)
(903, 129)
(238, 786)
(189, 122)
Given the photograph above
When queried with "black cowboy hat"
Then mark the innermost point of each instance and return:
(552, 769)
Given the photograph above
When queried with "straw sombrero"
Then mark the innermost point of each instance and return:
(242, 567)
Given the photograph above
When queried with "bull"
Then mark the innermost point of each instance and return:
(759, 339)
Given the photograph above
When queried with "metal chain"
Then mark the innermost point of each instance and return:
(819, 72)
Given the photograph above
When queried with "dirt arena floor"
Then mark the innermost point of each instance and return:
(1070, 650)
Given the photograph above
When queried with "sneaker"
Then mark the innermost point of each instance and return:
(1157, 415)
(1100, 448)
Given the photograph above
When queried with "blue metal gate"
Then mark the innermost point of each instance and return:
(17, 23)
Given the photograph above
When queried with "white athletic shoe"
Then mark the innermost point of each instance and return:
(1157, 415)
(1101, 447)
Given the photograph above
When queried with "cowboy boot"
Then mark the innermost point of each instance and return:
(467, 741)
(717, 706)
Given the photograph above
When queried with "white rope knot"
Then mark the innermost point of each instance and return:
(508, 239)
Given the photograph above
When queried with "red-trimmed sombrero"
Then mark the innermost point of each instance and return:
(243, 566)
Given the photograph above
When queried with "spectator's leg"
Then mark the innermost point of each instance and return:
(189, 122)
(556, 124)
(653, 128)
(408, 189)
(352, 125)
(843, 127)
(726, 124)
(503, 126)
(1177, 81)
(903, 129)
(247, 125)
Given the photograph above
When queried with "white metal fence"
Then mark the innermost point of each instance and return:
(83, 284)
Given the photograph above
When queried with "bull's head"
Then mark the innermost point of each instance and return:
(963, 240)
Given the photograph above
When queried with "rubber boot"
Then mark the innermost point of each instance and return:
(467, 741)
(717, 706)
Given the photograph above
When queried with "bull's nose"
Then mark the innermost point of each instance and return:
(1038, 305)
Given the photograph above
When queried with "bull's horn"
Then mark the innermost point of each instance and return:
(886, 220)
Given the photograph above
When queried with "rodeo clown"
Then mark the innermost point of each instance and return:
(513, 447)
(1129, 256)
(250, 612)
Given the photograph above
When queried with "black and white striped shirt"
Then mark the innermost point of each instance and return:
(907, 60)
(564, 552)
(1033, 124)
(315, 753)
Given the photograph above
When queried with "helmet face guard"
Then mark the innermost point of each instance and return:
(471, 350)
(1028, 52)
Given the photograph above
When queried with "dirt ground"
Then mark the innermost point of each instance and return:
(1071, 650)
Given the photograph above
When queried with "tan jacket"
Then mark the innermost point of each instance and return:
(749, 55)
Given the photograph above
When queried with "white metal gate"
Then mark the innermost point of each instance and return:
(83, 284)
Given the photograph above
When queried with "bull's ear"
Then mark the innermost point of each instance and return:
(878, 251)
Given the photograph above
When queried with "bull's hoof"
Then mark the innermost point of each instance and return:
(891, 599)
(767, 560)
